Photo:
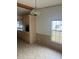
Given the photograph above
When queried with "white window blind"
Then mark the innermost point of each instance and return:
(57, 31)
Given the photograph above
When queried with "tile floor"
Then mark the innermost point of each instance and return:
(27, 51)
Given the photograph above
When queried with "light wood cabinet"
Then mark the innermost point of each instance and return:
(30, 36)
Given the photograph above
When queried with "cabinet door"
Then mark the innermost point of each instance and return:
(26, 19)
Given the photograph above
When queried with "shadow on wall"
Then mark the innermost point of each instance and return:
(46, 41)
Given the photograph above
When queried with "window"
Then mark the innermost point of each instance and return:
(57, 31)
(20, 25)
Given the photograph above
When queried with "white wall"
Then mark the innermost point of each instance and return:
(43, 21)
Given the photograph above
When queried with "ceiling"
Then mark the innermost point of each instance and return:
(22, 11)
(40, 4)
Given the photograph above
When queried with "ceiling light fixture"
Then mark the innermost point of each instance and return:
(35, 12)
